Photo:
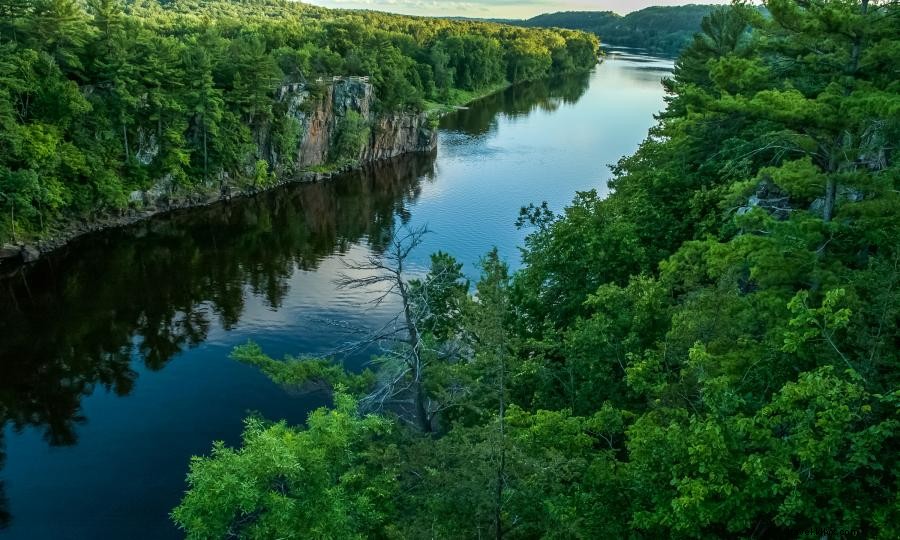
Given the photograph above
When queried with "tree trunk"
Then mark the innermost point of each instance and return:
(421, 412)
(857, 41)
(831, 183)
(419, 396)
(830, 195)
(501, 467)
(205, 153)
(125, 140)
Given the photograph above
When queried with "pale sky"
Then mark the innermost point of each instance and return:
(510, 9)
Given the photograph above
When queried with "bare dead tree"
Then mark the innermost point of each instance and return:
(406, 351)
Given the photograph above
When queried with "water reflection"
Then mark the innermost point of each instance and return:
(642, 68)
(517, 101)
(74, 322)
(4, 501)
(105, 317)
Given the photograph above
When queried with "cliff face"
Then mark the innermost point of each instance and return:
(319, 117)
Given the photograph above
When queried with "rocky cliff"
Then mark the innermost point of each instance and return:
(321, 114)
(319, 110)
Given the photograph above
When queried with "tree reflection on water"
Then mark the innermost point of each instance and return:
(76, 320)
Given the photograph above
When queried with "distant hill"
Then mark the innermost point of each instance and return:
(514, 22)
(659, 29)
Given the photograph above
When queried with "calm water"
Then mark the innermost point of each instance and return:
(114, 364)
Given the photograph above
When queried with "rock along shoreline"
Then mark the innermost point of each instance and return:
(14, 256)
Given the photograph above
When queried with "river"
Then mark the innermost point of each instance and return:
(114, 364)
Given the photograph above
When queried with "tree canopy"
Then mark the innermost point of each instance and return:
(711, 351)
(103, 98)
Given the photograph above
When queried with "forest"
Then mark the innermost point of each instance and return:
(102, 98)
(711, 351)
(664, 30)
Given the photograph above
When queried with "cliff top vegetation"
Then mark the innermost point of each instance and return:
(104, 97)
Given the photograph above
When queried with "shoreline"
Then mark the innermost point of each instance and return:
(22, 254)
(18, 255)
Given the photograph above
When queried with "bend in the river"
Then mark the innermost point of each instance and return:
(114, 364)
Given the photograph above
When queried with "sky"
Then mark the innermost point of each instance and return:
(513, 9)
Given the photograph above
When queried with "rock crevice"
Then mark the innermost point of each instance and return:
(320, 117)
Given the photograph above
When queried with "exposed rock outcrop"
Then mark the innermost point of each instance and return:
(319, 117)
(777, 202)
(770, 198)
(397, 133)
(319, 114)
(844, 194)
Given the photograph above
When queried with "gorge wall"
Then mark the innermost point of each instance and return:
(319, 111)
(320, 117)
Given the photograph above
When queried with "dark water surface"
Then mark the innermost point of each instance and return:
(114, 364)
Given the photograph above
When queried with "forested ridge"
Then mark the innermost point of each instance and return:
(657, 29)
(103, 98)
(709, 352)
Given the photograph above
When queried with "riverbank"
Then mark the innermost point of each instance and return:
(64, 232)
(27, 252)
(13, 255)
(457, 99)
(124, 336)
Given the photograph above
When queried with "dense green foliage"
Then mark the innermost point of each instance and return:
(101, 98)
(657, 29)
(293, 475)
(709, 352)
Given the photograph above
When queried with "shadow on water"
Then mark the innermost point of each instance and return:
(517, 101)
(74, 321)
(4, 502)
